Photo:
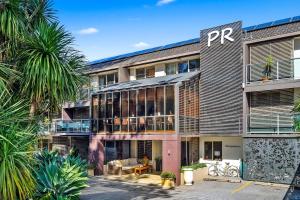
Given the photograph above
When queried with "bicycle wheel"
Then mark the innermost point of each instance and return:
(212, 171)
(233, 172)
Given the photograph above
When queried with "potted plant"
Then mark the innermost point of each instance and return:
(91, 169)
(158, 163)
(167, 180)
(188, 175)
(268, 68)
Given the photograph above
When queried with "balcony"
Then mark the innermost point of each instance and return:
(273, 124)
(80, 127)
(273, 70)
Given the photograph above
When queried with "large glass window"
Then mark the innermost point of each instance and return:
(140, 73)
(194, 65)
(170, 100)
(109, 105)
(124, 104)
(150, 72)
(160, 106)
(102, 106)
(171, 68)
(141, 102)
(132, 103)
(95, 104)
(150, 101)
(116, 105)
(183, 67)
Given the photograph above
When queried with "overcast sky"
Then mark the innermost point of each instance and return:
(105, 28)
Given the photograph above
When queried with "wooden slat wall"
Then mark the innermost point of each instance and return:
(189, 107)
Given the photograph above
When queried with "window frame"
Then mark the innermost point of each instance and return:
(213, 157)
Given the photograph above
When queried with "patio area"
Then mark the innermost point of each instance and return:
(149, 179)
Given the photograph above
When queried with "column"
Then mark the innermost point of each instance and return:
(96, 154)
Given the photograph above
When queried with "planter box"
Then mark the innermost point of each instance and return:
(198, 175)
(167, 183)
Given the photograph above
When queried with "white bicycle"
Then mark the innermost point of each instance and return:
(217, 170)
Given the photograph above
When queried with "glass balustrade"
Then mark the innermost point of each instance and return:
(273, 70)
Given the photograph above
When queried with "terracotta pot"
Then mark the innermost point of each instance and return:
(167, 183)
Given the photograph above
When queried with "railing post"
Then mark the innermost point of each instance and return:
(277, 123)
(277, 69)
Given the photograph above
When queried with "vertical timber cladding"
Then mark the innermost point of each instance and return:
(221, 79)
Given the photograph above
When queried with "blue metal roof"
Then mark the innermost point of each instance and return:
(195, 40)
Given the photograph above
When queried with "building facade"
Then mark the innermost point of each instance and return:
(230, 96)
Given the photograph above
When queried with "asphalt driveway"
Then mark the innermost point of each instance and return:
(101, 189)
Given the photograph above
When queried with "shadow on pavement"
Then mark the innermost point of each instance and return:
(293, 192)
(105, 189)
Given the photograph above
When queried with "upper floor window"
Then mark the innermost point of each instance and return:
(194, 65)
(108, 79)
(171, 68)
(148, 72)
(183, 67)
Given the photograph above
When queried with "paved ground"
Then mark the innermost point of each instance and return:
(101, 189)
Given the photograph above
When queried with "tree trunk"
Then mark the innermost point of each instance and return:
(33, 108)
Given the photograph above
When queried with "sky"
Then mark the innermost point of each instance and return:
(104, 28)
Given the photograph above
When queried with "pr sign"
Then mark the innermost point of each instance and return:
(225, 34)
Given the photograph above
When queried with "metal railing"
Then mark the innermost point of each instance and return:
(279, 69)
(67, 126)
(275, 123)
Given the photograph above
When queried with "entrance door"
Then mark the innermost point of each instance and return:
(297, 58)
(185, 152)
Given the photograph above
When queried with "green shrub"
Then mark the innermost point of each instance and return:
(168, 175)
(60, 178)
(195, 166)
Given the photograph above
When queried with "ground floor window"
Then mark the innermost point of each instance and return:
(213, 150)
(144, 148)
(116, 150)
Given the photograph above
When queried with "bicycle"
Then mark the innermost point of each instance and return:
(217, 170)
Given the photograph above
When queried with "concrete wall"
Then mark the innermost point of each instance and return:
(231, 147)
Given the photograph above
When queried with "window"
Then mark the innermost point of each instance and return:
(102, 106)
(160, 106)
(213, 150)
(194, 65)
(95, 107)
(150, 102)
(183, 67)
(171, 68)
(150, 72)
(132, 103)
(109, 105)
(170, 100)
(140, 73)
(124, 104)
(141, 102)
(144, 149)
(116, 105)
(107, 79)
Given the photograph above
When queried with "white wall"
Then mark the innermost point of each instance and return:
(232, 147)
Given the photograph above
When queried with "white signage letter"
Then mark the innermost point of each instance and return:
(227, 35)
(212, 38)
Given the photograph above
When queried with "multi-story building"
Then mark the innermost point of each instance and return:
(231, 95)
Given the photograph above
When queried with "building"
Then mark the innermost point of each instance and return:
(229, 96)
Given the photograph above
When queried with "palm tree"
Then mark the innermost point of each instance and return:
(49, 66)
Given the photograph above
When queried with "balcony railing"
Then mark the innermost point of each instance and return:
(279, 69)
(67, 126)
(277, 123)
